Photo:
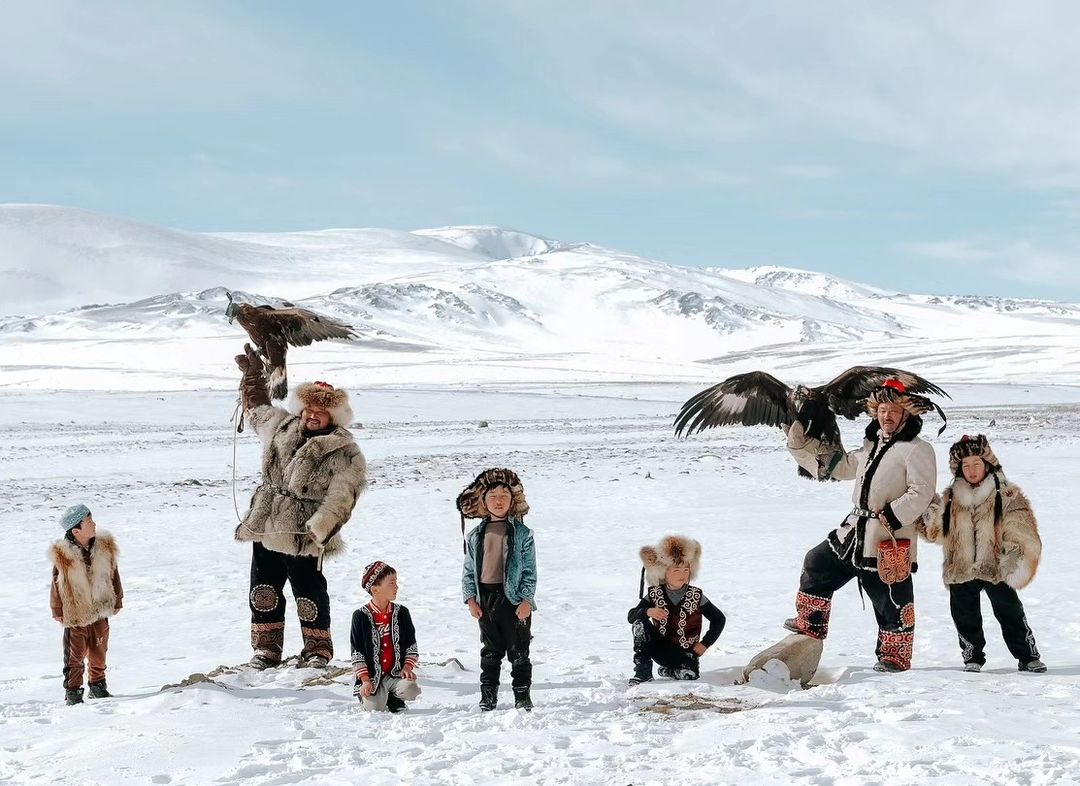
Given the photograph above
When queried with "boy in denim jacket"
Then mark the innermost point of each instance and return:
(498, 581)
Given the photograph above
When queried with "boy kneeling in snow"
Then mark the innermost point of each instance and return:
(667, 621)
(85, 592)
(384, 650)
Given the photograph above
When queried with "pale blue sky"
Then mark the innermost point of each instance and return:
(923, 146)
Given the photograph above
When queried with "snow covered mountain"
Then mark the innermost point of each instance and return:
(469, 304)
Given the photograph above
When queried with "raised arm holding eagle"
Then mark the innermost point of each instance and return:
(757, 398)
(272, 330)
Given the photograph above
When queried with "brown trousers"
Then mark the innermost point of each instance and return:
(85, 643)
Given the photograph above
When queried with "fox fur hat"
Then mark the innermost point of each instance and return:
(322, 395)
(893, 391)
(672, 550)
(470, 502)
(972, 446)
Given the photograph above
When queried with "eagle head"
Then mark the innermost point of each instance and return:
(799, 396)
(233, 310)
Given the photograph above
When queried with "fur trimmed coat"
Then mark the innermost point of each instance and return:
(977, 546)
(902, 486)
(310, 485)
(86, 584)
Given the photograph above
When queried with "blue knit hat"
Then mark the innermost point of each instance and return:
(74, 516)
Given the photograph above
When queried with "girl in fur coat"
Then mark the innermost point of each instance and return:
(991, 543)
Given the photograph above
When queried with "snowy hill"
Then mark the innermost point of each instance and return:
(94, 300)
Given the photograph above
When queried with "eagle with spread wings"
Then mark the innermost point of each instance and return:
(758, 398)
(273, 330)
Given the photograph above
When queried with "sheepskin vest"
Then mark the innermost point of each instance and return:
(683, 624)
(310, 486)
(980, 544)
(87, 593)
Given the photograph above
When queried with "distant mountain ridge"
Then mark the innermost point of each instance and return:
(486, 295)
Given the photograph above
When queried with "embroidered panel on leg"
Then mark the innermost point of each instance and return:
(306, 609)
(812, 614)
(264, 598)
(267, 639)
(317, 642)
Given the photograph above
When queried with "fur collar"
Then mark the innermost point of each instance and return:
(323, 443)
(972, 496)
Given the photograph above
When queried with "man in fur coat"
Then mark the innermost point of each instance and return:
(312, 475)
(667, 620)
(85, 592)
(991, 541)
(895, 474)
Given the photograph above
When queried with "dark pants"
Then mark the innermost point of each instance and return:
(966, 606)
(269, 572)
(85, 645)
(650, 647)
(824, 573)
(503, 635)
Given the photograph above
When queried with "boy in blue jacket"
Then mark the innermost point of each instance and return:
(498, 581)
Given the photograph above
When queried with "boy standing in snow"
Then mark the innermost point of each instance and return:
(986, 526)
(85, 592)
(384, 651)
(667, 621)
(498, 581)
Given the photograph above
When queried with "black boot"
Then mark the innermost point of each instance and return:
(489, 697)
(73, 696)
(642, 670)
(395, 703)
(522, 701)
(99, 691)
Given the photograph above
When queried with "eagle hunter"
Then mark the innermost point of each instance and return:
(758, 398)
(272, 330)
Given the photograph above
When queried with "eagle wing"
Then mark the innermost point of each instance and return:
(751, 399)
(301, 327)
(846, 393)
(272, 330)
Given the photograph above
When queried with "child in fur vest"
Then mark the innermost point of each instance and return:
(384, 652)
(667, 620)
(85, 592)
(991, 541)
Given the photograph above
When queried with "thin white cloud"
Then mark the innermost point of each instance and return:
(971, 86)
(1021, 261)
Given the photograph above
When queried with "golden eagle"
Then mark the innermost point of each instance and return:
(758, 398)
(272, 330)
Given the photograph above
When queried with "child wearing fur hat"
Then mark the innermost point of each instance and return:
(85, 592)
(991, 542)
(384, 652)
(498, 581)
(667, 620)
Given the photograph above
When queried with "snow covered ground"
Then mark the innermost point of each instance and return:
(604, 477)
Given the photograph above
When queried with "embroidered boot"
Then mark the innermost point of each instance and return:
(811, 616)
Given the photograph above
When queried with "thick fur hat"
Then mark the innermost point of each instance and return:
(470, 501)
(892, 391)
(672, 550)
(972, 446)
(324, 396)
